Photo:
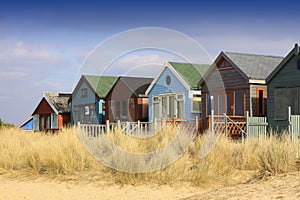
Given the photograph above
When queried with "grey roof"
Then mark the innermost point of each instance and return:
(137, 85)
(294, 52)
(59, 101)
(254, 66)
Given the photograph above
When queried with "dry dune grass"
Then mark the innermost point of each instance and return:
(63, 155)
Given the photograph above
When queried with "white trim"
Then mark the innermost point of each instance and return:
(156, 102)
(155, 79)
(196, 111)
(257, 81)
(159, 102)
(178, 76)
(25, 121)
(167, 65)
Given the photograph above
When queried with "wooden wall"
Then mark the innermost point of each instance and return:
(287, 77)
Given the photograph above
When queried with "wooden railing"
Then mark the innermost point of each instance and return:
(238, 127)
(191, 125)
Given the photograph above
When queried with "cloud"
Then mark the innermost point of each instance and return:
(143, 63)
(18, 51)
(27, 69)
(12, 74)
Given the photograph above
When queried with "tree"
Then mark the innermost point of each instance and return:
(0, 122)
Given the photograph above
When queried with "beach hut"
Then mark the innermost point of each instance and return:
(174, 92)
(243, 80)
(284, 91)
(88, 99)
(126, 101)
(52, 113)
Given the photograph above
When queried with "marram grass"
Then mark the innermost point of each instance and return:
(64, 155)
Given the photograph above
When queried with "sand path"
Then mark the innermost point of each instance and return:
(279, 187)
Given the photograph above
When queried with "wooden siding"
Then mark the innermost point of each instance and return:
(175, 87)
(229, 78)
(121, 92)
(79, 103)
(287, 77)
(43, 108)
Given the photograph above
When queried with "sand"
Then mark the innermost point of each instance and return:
(279, 187)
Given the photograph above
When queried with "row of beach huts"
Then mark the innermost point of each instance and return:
(235, 85)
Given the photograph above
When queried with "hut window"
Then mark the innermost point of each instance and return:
(86, 110)
(224, 65)
(239, 102)
(168, 80)
(36, 122)
(196, 103)
(84, 92)
(229, 103)
(283, 98)
(298, 64)
(155, 107)
(118, 109)
(180, 105)
(124, 108)
(48, 122)
(209, 101)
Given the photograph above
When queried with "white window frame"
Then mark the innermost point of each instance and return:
(157, 99)
(192, 97)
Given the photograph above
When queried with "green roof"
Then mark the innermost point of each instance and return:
(101, 84)
(191, 73)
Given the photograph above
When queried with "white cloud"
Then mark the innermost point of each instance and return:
(27, 69)
(144, 64)
(20, 51)
(12, 74)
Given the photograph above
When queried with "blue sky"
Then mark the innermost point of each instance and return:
(43, 44)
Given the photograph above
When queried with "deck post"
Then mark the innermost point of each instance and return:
(119, 124)
(127, 127)
(226, 129)
(247, 124)
(107, 126)
(138, 126)
(154, 124)
(212, 129)
(197, 124)
(290, 121)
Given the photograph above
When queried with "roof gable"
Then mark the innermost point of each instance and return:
(252, 65)
(191, 73)
(294, 52)
(44, 107)
(188, 74)
(137, 85)
(55, 102)
(101, 84)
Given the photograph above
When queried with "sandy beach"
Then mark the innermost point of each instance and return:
(285, 186)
